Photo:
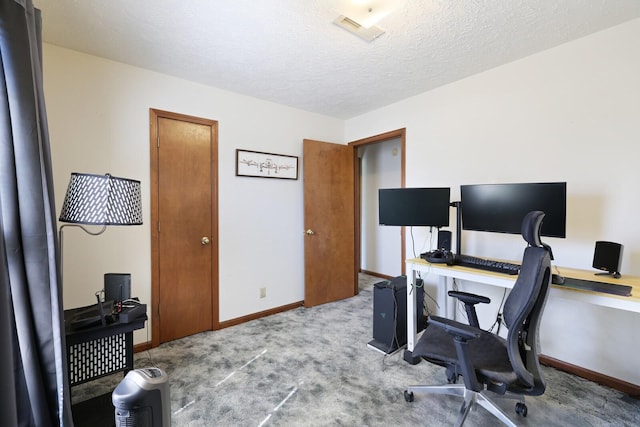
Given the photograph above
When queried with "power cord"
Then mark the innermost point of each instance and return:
(150, 363)
(427, 244)
(460, 304)
(130, 302)
(413, 244)
(499, 318)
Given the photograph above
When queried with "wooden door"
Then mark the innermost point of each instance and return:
(329, 217)
(184, 225)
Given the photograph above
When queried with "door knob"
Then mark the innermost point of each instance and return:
(204, 241)
(309, 232)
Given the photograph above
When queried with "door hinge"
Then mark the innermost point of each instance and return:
(157, 140)
(158, 311)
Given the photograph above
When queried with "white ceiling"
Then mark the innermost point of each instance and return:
(289, 52)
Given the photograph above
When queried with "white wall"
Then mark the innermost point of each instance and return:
(381, 168)
(567, 114)
(98, 113)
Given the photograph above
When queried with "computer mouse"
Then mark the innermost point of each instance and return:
(557, 279)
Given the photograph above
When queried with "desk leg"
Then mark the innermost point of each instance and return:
(412, 325)
(443, 297)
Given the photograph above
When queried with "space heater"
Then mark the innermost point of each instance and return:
(142, 399)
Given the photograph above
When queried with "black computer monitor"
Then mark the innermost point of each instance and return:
(500, 208)
(414, 206)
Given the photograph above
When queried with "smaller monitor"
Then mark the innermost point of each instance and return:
(414, 206)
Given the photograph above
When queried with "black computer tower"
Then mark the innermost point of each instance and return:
(390, 314)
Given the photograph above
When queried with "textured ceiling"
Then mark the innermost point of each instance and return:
(289, 52)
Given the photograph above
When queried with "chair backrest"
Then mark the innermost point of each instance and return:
(524, 306)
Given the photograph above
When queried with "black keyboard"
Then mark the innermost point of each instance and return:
(590, 285)
(486, 264)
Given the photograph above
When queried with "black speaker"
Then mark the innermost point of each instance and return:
(390, 314)
(607, 257)
(117, 286)
(444, 240)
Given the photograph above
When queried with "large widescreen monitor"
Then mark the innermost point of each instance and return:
(414, 206)
(500, 208)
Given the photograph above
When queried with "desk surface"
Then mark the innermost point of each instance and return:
(630, 303)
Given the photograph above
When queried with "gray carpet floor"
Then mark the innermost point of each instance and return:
(312, 367)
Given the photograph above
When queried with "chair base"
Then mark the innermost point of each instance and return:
(470, 399)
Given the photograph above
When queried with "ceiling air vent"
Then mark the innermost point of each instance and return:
(368, 34)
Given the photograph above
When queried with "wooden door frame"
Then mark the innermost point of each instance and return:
(154, 115)
(394, 134)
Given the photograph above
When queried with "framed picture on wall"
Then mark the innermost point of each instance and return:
(266, 165)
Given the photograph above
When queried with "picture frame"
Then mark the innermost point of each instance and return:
(266, 165)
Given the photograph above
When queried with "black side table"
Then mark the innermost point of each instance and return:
(94, 352)
(100, 350)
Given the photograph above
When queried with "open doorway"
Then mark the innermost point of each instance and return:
(381, 164)
(325, 205)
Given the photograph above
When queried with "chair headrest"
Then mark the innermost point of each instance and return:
(531, 224)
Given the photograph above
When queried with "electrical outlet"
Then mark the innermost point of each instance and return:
(263, 292)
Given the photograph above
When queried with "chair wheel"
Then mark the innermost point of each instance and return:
(408, 396)
(452, 376)
(521, 409)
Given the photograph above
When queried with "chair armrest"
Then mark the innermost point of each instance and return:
(468, 298)
(457, 329)
(470, 301)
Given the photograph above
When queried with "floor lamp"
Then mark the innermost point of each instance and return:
(99, 200)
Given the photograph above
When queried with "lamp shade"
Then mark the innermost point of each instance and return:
(102, 200)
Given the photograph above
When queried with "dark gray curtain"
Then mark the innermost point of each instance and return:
(34, 377)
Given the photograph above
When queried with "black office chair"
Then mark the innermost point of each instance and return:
(469, 301)
(487, 362)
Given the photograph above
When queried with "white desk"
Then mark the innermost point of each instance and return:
(448, 273)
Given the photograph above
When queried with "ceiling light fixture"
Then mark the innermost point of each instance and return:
(367, 13)
(361, 16)
(368, 34)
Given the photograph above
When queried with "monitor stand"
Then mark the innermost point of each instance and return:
(614, 274)
(458, 227)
